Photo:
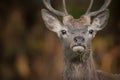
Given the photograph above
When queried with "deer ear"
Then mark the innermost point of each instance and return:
(51, 22)
(100, 21)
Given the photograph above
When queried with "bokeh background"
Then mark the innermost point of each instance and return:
(29, 51)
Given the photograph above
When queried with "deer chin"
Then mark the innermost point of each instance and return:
(78, 49)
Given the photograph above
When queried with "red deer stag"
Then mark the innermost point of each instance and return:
(76, 36)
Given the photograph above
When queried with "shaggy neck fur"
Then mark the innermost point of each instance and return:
(78, 67)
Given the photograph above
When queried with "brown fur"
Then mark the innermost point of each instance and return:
(70, 21)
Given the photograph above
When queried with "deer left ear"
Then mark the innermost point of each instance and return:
(100, 21)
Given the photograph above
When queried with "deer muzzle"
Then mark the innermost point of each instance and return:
(77, 44)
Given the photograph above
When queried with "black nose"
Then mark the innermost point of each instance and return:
(79, 39)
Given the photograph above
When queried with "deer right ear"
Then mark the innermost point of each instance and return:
(51, 22)
(100, 21)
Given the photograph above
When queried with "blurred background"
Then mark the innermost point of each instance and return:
(29, 51)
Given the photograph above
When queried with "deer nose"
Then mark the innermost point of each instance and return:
(79, 39)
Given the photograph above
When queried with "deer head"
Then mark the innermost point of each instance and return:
(76, 34)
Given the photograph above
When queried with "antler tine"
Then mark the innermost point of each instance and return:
(90, 6)
(49, 7)
(64, 6)
(106, 4)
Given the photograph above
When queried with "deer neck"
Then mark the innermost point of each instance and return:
(78, 67)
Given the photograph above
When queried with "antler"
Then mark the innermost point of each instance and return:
(48, 5)
(65, 13)
(104, 7)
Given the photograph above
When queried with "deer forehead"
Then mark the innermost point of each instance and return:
(70, 21)
(82, 29)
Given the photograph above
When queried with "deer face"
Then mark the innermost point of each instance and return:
(75, 34)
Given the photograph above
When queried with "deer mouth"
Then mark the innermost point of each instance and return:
(78, 48)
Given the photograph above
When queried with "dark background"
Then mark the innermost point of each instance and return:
(28, 51)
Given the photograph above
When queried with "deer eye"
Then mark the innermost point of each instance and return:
(91, 31)
(63, 32)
